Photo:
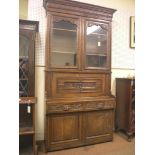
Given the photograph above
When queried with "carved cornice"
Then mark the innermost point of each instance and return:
(79, 8)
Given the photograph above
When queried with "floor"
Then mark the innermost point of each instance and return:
(119, 146)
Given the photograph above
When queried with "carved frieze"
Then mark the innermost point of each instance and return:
(64, 85)
(67, 19)
(80, 106)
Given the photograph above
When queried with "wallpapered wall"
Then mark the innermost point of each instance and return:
(122, 55)
(23, 9)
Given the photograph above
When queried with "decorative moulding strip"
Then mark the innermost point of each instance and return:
(27, 100)
(29, 25)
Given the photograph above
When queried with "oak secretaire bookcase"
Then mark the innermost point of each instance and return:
(79, 104)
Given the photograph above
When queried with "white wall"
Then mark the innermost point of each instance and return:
(122, 55)
(23, 9)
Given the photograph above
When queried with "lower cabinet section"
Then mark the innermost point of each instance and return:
(71, 129)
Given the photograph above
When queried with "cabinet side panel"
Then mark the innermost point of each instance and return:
(122, 103)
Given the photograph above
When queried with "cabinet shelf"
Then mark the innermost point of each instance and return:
(26, 130)
(96, 34)
(63, 52)
(27, 100)
(95, 54)
(64, 30)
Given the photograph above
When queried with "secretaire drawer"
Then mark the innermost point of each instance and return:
(73, 85)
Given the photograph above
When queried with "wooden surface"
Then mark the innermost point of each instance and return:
(125, 105)
(27, 100)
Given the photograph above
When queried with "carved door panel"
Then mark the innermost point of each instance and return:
(63, 130)
(98, 126)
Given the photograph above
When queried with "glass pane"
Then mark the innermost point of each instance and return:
(96, 46)
(64, 44)
(23, 65)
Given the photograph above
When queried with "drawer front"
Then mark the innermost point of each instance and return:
(98, 105)
(62, 108)
(73, 85)
(80, 106)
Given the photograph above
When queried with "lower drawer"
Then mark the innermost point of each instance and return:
(80, 106)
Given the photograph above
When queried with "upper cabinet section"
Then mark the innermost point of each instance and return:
(78, 36)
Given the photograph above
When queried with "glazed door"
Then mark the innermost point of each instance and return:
(97, 45)
(63, 130)
(26, 63)
(64, 41)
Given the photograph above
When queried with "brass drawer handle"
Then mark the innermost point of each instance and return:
(66, 107)
(100, 105)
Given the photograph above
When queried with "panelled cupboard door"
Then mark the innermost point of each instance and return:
(98, 126)
(97, 45)
(63, 130)
(64, 45)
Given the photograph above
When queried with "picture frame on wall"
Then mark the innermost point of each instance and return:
(132, 31)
